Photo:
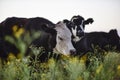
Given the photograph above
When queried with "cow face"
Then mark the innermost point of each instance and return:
(78, 29)
(63, 40)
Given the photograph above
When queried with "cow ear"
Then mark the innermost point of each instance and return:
(89, 20)
(66, 21)
(113, 31)
(114, 34)
(59, 25)
(74, 19)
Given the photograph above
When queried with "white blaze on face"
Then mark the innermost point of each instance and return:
(63, 39)
(81, 26)
(74, 31)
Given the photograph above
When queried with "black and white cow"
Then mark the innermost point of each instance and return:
(56, 37)
(79, 26)
(104, 40)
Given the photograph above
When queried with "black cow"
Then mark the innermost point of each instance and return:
(105, 41)
(56, 37)
(6, 29)
(7, 25)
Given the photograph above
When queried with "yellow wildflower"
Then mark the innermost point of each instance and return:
(8, 62)
(11, 56)
(83, 59)
(19, 33)
(73, 60)
(99, 69)
(14, 28)
(118, 68)
(51, 61)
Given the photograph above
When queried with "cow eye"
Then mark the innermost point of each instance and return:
(60, 38)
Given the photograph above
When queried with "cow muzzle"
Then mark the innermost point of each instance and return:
(72, 52)
(80, 33)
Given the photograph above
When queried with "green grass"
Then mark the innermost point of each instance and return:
(102, 65)
(67, 68)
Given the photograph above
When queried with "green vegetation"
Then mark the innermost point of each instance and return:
(101, 66)
(67, 68)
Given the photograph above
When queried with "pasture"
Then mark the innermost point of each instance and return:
(68, 68)
(102, 66)
(99, 65)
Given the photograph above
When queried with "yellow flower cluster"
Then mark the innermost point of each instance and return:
(11, 56)
(118, 69)
(99, 69)
(74, 60)
(51, 62)
(83, 59)
(17, 32)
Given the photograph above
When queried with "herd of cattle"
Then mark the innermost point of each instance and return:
(66, 37)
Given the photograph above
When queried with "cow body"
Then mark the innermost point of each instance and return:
(6, 29)
(7, 25)
(105, 41)
(53, 37)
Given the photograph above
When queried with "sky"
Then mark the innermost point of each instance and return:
(106, 13)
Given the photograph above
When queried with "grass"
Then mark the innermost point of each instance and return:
(101, 66)
(67, 68)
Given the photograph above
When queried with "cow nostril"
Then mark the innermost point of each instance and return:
(72, 52)
(80, 34)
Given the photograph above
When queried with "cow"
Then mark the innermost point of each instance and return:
(58, 33)
(105, 41)
(57, 40)
(79, 26)
(53, 37)
(8, 27)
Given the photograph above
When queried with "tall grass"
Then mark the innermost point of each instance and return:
(100, 67)
(70, 68)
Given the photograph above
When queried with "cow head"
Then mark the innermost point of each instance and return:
(63, 39)
(78, 29)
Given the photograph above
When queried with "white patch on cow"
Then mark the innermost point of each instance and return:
(76, 39)
(81, 26)
(74, 31)
(63, 39)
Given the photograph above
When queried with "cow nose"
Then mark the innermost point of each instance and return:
(80, 33)
(72, 52)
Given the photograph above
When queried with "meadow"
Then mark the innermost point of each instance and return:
(67, 68)
(99, 65)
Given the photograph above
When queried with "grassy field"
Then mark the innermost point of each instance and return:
(93, 66)
(67, 68)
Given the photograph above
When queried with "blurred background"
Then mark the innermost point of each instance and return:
(106, 13)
